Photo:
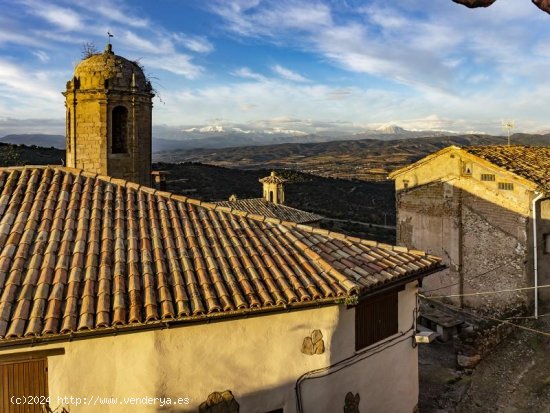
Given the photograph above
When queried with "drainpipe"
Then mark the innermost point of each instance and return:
(535, 252)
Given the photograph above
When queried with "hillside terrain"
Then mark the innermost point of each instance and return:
(354, 200)
(13, 155)
(366, 159)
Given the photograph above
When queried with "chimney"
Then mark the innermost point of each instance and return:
(159, 179)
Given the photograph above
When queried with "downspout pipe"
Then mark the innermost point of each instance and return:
(537, 198)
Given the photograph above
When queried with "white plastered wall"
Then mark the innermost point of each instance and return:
(257, 358)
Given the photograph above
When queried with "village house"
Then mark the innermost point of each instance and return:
(117, 297)
(486, 211)
(272, 204)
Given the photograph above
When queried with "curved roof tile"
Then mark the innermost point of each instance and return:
(81, 252)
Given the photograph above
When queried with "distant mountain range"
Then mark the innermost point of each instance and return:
(211, 137)
(43, 140)
(215, 136)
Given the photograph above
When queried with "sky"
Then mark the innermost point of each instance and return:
(311, 66)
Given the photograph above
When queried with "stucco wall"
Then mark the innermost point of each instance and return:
(257, 358)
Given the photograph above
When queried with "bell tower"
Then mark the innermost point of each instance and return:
(109, 118)
(274, 188)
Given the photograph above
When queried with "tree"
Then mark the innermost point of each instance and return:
(9, 156)
(88, 49)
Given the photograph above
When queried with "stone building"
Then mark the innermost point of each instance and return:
(118, 297)
(108, 127)
(486, 211)
(272, 203)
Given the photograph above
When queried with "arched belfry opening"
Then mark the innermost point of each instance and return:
(119, 130)
(109, 118)
(274, 188)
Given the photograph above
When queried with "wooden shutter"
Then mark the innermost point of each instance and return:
(375, 319)
(22, 378)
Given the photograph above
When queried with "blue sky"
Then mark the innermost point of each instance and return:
(289, 64)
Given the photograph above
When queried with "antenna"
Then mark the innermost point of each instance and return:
(508, 125)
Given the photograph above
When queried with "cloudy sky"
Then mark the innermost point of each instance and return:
(291, 64)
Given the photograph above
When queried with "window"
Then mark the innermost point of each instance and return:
(506, 186)
(546, 242)
(120, 130)
(270, 196)
(467, 169)
(276, 411)
(375, 319)
(487, 177)
(405, 183)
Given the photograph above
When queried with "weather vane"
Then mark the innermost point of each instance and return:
(109, 35)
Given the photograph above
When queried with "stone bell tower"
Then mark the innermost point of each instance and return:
(109, 109)
(274, 190)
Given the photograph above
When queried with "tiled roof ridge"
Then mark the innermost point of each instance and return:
(233, 211)
(260, 206)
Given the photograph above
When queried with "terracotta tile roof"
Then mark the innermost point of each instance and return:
(260, 206)
(82, 253)
(529, 162)
(273, 178)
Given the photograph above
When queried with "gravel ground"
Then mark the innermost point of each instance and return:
(514, 378)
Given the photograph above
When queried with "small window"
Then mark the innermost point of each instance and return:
(488, 177)
(467, 169)
(270, 196)
(546, 241)
(120, 130)
(376, 319)
(405, 183)
(506, 186)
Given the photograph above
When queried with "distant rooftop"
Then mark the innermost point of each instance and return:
(259, 206)
(273, 178)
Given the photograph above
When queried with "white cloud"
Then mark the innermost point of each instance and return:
(288, 74)
(62, 17)
(199, 44)
(177, 63)
(41, 55)
(246, 73)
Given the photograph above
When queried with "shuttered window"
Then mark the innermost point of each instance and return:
(375, 319)
(22, 378)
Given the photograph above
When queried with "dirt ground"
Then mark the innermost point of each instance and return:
(514, 378)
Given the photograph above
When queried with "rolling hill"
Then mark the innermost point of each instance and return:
(365, 159)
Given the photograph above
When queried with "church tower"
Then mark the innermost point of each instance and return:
(109, 118)
(274, 188)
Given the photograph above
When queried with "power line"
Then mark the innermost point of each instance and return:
(488, 318)
(472, 278)
(488, 292)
